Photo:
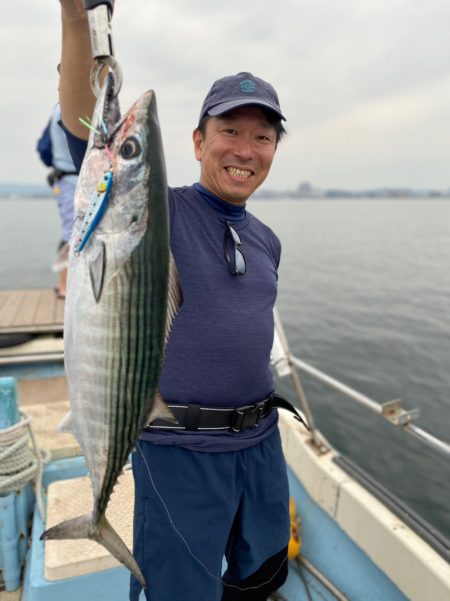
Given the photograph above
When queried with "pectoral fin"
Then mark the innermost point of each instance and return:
(97, 266)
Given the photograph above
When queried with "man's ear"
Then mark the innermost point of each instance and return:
(197, 137)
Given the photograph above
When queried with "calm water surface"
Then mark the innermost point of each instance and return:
(364, 294)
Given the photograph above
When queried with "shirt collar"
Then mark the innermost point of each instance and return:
(230, 211)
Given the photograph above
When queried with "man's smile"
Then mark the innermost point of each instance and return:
(240, 173)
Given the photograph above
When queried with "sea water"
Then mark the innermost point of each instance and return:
(364, 295)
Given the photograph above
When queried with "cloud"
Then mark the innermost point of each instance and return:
(363, 83)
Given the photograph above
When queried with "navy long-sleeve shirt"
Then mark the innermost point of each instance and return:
(219, 346)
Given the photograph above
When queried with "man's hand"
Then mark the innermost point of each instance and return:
(73, 9)
(93, 3)
(76, 97)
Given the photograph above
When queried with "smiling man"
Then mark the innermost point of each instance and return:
(224, 479)
(239, 129)
(223, 473)
(214, 484)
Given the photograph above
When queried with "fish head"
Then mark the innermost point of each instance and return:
(130, 149)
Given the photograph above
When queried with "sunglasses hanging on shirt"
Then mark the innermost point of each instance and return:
(233, 255)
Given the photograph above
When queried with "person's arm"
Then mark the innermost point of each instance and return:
(75, 94)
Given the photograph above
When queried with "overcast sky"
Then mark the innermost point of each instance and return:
(364, 84)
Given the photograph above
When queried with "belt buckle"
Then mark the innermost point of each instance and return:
(246, 417)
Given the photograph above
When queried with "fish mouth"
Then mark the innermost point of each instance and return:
(107, 114)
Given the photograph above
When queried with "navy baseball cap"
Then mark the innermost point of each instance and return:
(238, 90)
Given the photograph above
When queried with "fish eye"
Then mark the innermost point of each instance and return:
(130, 148)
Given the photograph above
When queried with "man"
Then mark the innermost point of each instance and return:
(54, 152)
(216, 483)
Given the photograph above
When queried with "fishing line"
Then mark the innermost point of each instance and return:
(186, 544)
(105, 131)
(87, 123)
(102, 122)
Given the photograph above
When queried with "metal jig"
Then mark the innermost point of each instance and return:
(95, 211)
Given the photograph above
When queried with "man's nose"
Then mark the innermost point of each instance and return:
(244, 149)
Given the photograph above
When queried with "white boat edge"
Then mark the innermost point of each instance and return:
(407, 559)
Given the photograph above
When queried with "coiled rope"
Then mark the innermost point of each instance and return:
(20, 463)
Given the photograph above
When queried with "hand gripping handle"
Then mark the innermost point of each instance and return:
(90, 4)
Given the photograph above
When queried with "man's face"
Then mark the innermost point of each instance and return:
(235, 153)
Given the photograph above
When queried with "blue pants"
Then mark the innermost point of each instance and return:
(207, 506)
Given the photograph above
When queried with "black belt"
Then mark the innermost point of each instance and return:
(56, 174)
(194, 416)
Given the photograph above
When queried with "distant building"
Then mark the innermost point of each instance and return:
(307, 190)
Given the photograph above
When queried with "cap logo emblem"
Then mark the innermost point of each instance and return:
(247, 86)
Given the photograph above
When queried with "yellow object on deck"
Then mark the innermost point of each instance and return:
(295, 542)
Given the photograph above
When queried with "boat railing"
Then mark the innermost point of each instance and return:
(286, 364)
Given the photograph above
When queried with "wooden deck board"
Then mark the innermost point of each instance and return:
(31, 311)
(45, 309)
(26, 308)
(59, 311)
(10, 306)
(3, 297)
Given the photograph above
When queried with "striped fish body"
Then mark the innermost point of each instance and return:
(122, 294)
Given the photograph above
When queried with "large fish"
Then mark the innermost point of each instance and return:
(123, 293)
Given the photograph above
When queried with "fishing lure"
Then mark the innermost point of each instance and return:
(98, 203)
(95, 211)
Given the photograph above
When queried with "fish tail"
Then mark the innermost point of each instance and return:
(79, 527)
(108, 537)
(103, 533)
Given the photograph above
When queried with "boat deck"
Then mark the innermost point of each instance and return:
(45, 402)
(30, 312)
(351, 544)
(31, 327)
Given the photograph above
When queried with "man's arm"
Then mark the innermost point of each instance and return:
(76, 97)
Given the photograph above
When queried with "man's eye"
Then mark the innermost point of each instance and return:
(266, 139)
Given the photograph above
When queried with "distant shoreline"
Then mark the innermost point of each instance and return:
(263, 198)
(304, 192)
(362, 197)
(386, 194)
